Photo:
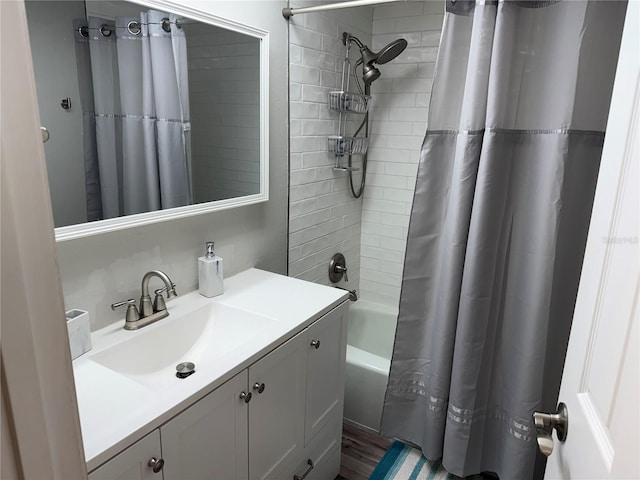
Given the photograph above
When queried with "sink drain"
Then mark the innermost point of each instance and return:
(184, 369)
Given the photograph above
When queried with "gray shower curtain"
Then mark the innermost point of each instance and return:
(498, 226)
(139, 102)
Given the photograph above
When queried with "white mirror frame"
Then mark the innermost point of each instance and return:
(113, 224)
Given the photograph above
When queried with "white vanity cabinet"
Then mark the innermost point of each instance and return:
(271, 421)
(209, 439)
(206, 441)
(297, 419)
(276, 416)
(133, 463)
(326, 359)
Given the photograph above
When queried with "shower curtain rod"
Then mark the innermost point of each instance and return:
(290, 12)
(134, 26)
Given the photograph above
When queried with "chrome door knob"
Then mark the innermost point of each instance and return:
(259, 387)
(156, 464)
(245, 396)
(315, 344)
(546, 422)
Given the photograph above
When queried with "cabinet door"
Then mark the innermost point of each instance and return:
(209, 439)
(327, 347)
(133, 463)
(276, 416)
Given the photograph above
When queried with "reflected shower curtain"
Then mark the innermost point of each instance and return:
(89, 146)
(141, 113)
(498, 227)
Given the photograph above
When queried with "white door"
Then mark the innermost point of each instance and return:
(601, 375)
(209, 439)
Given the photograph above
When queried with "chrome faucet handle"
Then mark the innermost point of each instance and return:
(171, 291)
(132, 311)
(339, 269)
(158, 301)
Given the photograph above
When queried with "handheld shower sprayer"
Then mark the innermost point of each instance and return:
(368, 60)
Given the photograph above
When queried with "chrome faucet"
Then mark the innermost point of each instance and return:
(146, 307)
(149, 312)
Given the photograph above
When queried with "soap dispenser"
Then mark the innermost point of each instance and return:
(210, 276)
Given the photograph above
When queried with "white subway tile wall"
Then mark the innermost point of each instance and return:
(398, 124)
(324, 218)
(224, 84)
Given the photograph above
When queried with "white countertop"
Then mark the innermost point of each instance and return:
(116, 411)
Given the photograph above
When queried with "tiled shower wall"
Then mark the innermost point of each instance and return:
(324, 218)
(398, 124)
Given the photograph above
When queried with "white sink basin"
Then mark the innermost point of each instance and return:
(201, 336)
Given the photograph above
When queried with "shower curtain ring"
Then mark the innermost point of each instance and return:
(166, 25)
(105, 30)
(134, 27)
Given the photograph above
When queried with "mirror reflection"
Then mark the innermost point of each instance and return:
(145, 109)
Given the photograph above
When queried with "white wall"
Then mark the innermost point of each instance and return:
(99, 270)
(224, 93)
(324, 218)
(398, 125)
(111, 8)
(54, 59)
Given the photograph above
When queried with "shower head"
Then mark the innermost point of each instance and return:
(369, 73)
(391, 51)
(368, 58)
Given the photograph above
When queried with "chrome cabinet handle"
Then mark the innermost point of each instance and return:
(546, 422)
(259, 387)
(315, 344)
(304, 475)
(245, 396)
(156, 464)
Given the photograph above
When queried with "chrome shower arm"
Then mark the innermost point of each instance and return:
(348, 38)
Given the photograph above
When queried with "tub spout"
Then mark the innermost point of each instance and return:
(353, 296)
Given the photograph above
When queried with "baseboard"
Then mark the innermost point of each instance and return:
(359, 426)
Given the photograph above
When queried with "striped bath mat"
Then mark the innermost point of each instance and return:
(402, 462)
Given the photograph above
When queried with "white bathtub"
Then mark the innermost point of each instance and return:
(369, 346)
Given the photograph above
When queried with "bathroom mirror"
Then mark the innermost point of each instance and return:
(153, 111)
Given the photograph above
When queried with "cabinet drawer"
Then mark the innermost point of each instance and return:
(324, 452)
(328, 468)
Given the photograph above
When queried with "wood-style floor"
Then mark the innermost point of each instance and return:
(361, 452)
